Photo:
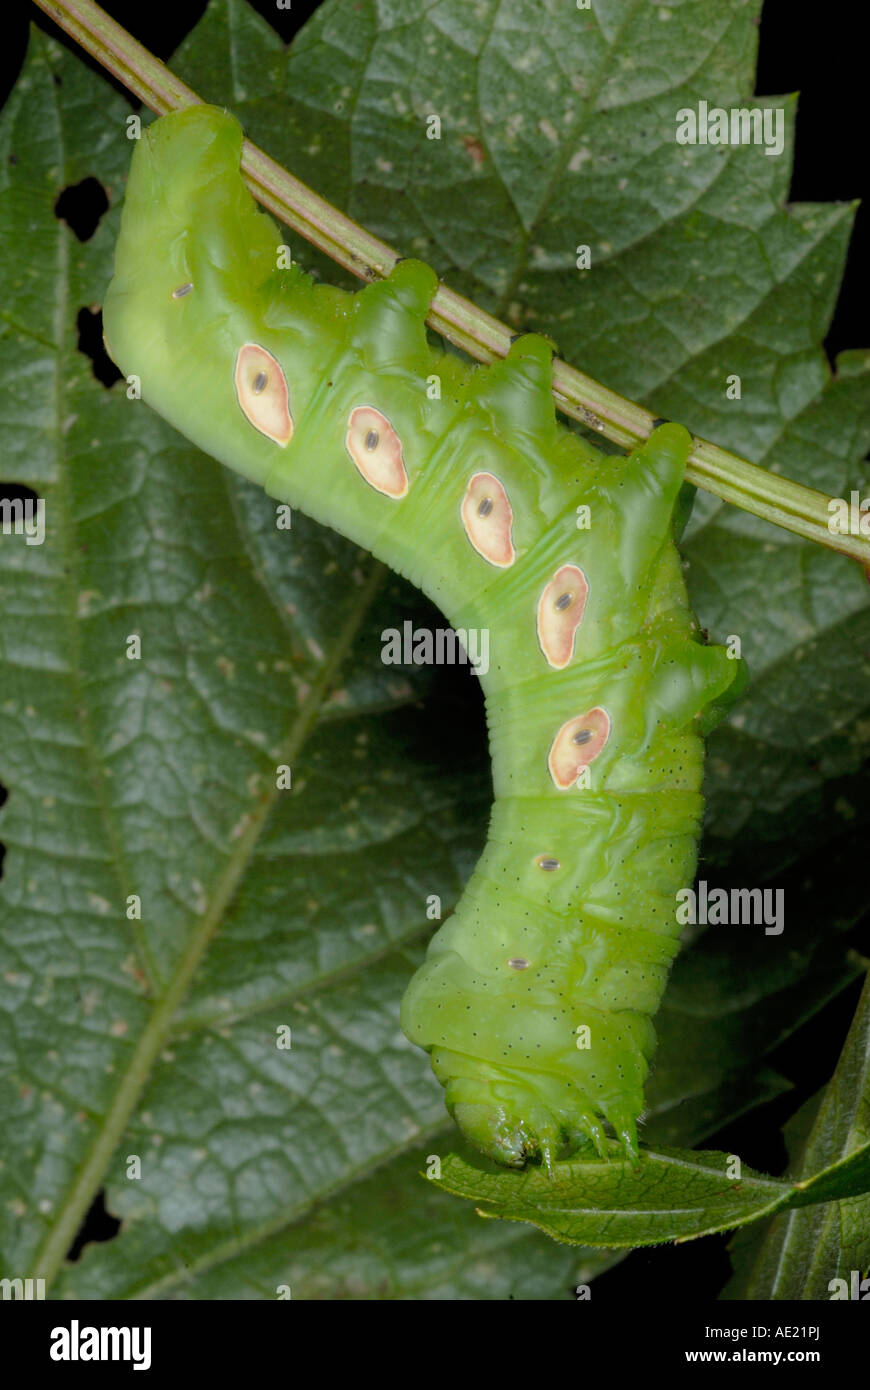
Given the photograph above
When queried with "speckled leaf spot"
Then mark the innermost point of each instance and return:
(567, 926)
(261, 391)
(488, 519)
(376, 449)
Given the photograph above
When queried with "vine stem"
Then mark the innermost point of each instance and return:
(802, 510)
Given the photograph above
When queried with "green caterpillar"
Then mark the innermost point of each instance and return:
(536, 996)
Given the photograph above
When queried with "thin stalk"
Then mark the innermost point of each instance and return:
(788, 504)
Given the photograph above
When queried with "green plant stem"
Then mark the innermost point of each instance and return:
(788, 504)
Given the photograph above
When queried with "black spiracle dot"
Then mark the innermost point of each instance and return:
(485, 506)
(259, 383)
(563, 602)
(372, 439)
(582, 736)
(548, 863)
(182, 290)
(518, 963)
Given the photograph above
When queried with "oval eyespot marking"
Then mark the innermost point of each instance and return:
(488, 518)
(376, 450)
(577, 743)
(547, 862)
(518, 963)
(261, 391)
(182, 290)
(560, 613)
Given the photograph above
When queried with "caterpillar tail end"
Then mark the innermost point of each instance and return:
(556, 1101)
(512, 1123)
(495, 1131)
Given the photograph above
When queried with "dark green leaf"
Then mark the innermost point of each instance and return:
(667, 1195)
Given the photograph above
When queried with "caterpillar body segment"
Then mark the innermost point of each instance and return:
(536, 997)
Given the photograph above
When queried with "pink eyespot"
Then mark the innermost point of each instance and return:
(560, 613)
(577, 743)
(487, 517)
(376, 450)
(261, 391)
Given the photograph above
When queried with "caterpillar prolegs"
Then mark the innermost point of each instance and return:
(536, 996)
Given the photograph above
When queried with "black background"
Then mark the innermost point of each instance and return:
(819, 52)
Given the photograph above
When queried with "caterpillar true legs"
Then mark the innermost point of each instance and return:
(536, 995)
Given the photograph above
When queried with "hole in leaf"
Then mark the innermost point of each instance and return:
(90, 326)
(97, 1226)
(81, 206)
